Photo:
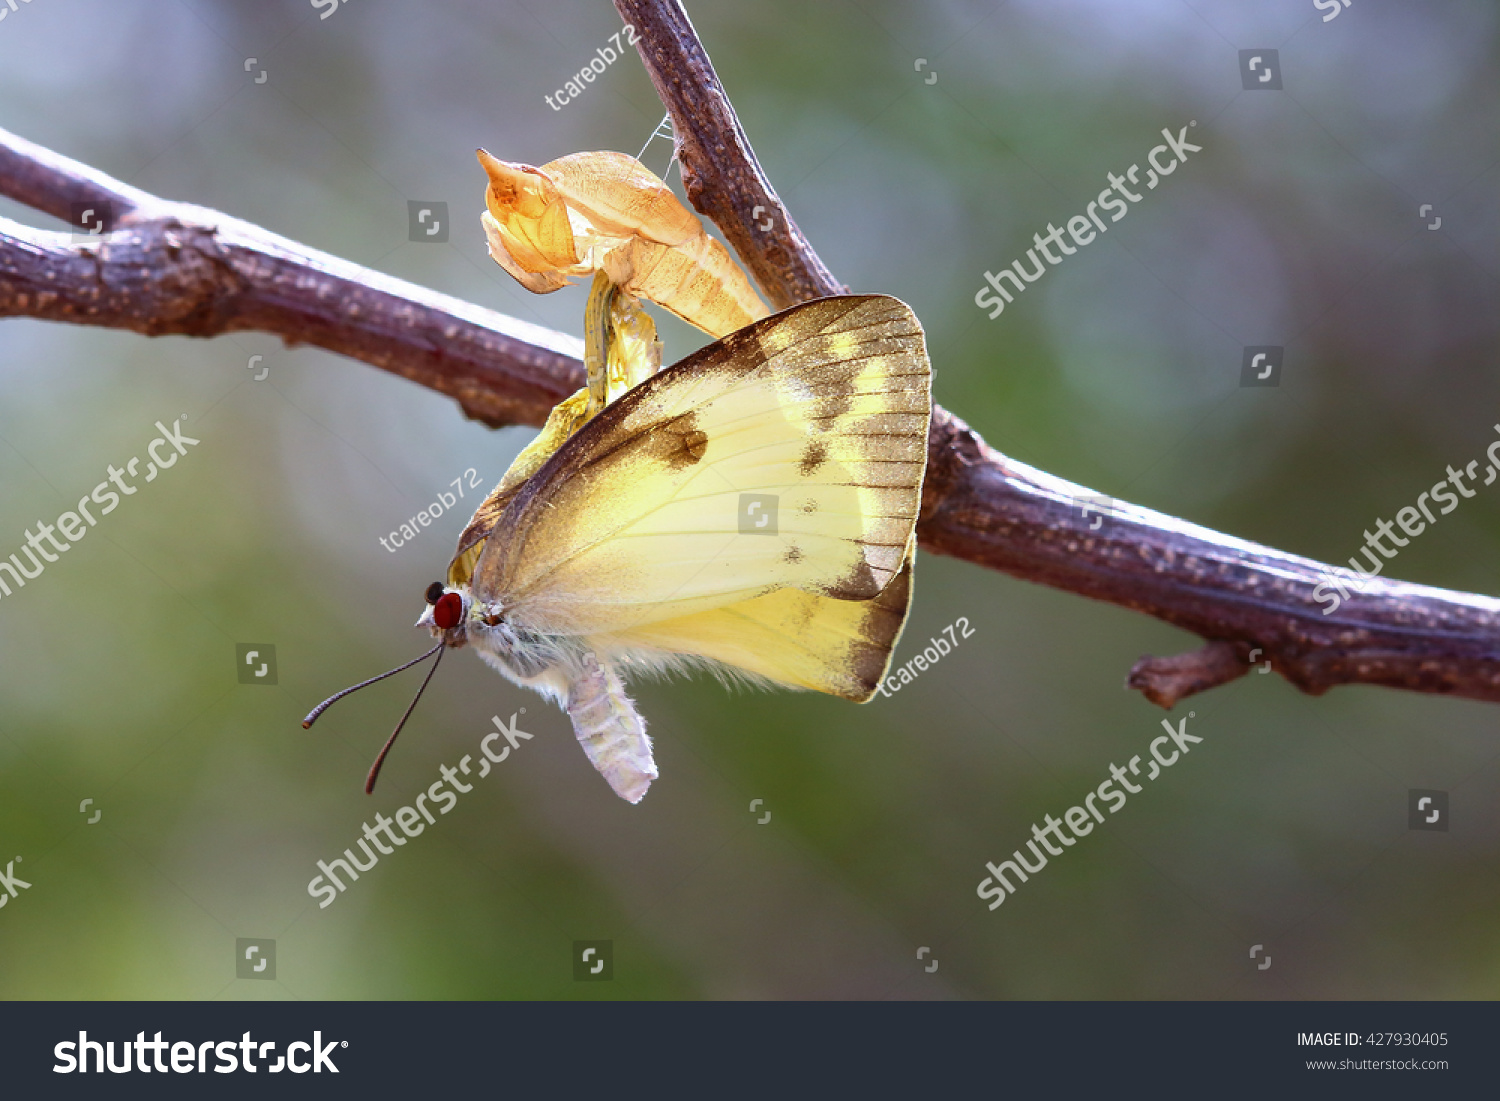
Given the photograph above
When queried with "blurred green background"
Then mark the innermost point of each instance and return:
(1297, 225)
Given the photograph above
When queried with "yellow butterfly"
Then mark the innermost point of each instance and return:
(750, 510)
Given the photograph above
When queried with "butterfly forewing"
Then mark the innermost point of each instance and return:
(819, 414)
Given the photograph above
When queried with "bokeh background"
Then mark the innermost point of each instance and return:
(1297, 225)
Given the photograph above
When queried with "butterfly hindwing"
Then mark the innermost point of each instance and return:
(818, 414)
(796, 639)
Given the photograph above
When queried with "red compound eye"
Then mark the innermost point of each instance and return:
(447, 610)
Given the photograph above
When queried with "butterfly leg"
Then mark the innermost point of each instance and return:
(597, 339)
(611, 731)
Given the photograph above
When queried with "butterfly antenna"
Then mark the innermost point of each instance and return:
(312, 716)
(380, 760)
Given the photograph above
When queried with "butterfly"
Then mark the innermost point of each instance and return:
(749, 511)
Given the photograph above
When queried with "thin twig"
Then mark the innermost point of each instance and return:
(1164, 681)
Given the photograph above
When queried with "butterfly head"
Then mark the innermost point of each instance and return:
(446, 613)
(452, 612)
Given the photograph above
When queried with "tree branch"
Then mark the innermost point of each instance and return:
(175, 268)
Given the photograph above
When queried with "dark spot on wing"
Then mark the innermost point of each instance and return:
(813, 456)
(793, 555)
(679, 442)
(810, 505)
(860, 584)
(694, 444)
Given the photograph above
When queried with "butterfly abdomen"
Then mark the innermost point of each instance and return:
(611, 731)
